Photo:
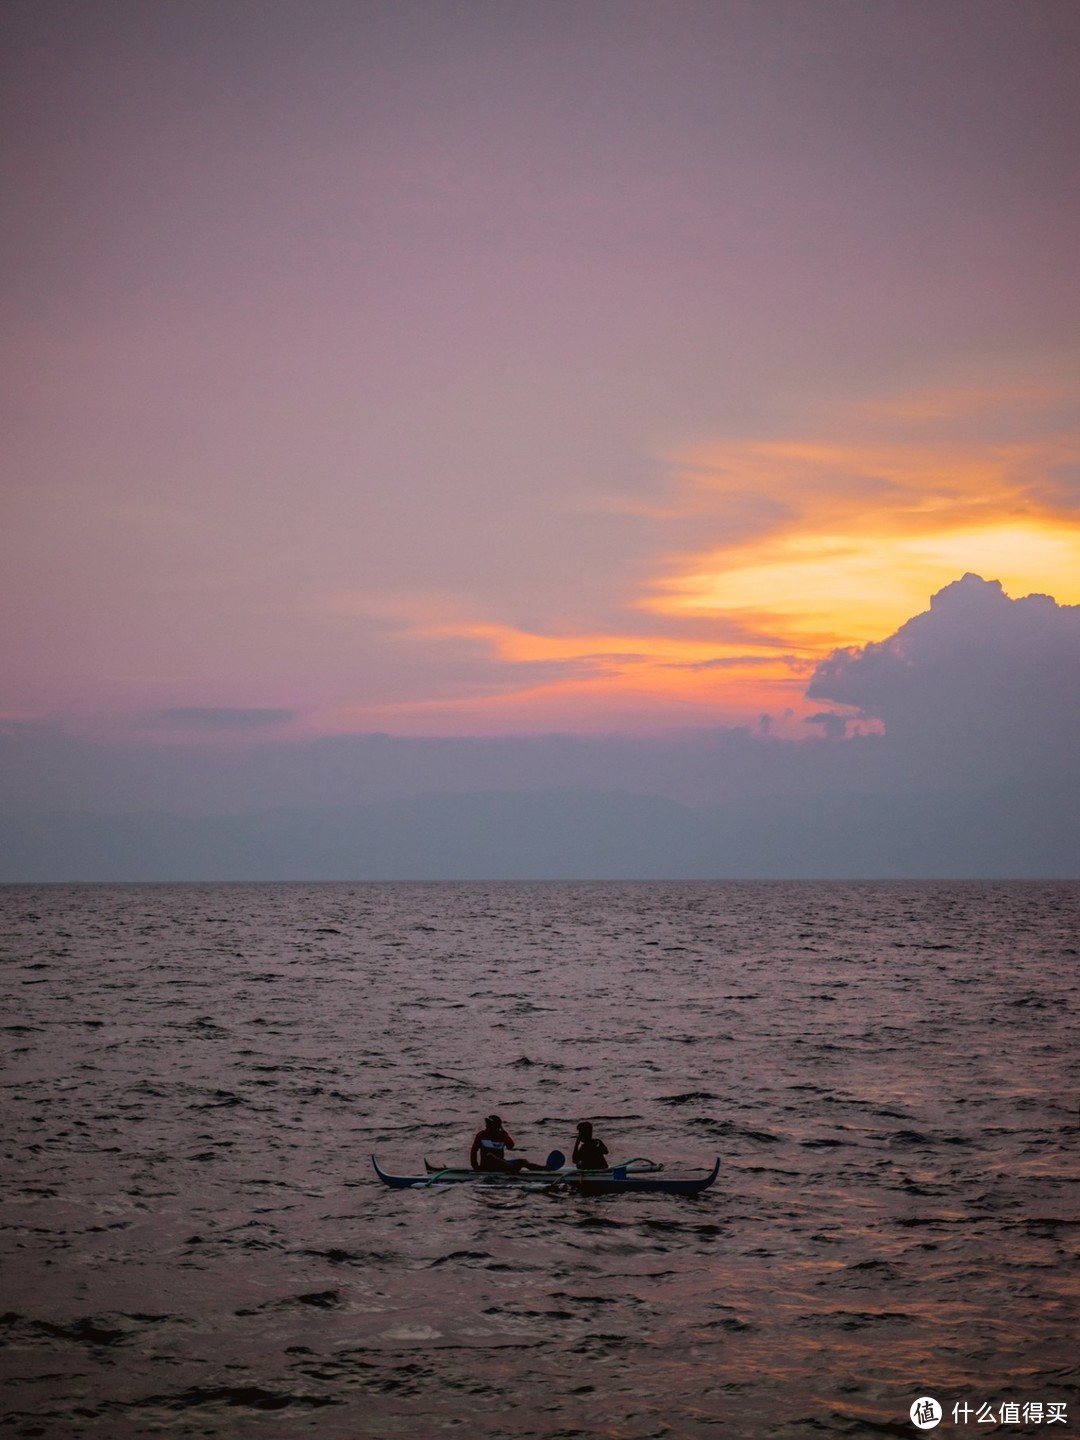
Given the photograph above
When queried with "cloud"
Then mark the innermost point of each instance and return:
(738, 662)
(835, 531)
(833, 724)
(978, 679)
(772, 551)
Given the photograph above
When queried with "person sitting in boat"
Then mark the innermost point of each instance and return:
(489, 1149)
(590, 1153)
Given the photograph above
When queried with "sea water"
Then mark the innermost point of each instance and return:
(194, 1243)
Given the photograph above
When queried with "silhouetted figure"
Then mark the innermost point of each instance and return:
(489, 1149)
(589, 1152)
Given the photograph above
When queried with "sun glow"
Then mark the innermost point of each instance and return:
(829, 590)
(853, 540)
(770, 554)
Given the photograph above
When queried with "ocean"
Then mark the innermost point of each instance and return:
(195, 1078)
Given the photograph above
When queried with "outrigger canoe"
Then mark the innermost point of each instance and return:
(616, 1181)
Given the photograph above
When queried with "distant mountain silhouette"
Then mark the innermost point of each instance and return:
(1021, 832)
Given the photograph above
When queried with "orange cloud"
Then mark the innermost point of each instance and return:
(856, 526)
(603, 682)
(800, 546)
(855, 535)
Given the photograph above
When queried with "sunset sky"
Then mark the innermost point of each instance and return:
(479, 368)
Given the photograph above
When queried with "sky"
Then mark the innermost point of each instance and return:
(488, 370)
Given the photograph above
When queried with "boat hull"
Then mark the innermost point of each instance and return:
(586, 1182)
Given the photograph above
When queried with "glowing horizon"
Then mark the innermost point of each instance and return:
(842, 541)
(849, 540)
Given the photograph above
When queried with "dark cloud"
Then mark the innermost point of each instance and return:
(833, 725)
(978, 679)
(218, 717)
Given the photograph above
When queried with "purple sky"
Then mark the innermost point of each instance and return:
(465, 368)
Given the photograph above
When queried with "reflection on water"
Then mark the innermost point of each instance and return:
(194, 1077)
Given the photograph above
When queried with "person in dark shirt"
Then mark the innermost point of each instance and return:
(489, 1149)
(589, 1152)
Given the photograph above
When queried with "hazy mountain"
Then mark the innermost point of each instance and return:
(575, 834)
